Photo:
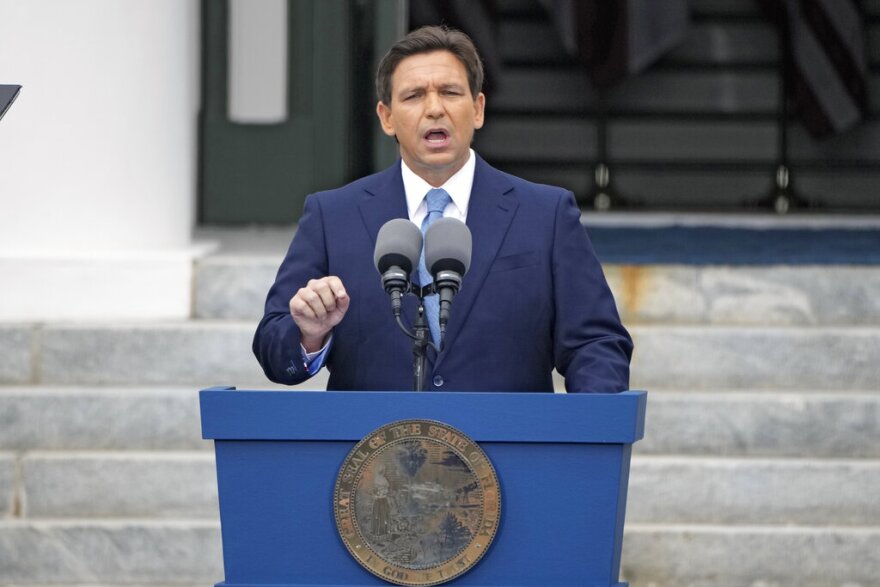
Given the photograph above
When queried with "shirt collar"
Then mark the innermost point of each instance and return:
(458, 186)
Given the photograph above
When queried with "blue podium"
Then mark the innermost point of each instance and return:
(562, 463)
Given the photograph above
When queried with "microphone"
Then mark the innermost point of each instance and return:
(447, 257)
(397, 252)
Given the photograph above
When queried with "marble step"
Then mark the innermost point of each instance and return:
(203, 353)
(663, 490)
(235, 287)
(134, 552)
(206, 353)
(118, 484)
(100, 418)
(750, 556)
(762, 423)
(106, 552)
(738, 491)
(743, 357)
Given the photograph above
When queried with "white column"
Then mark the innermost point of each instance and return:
(98, 159)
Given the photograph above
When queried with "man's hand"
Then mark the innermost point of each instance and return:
(317, 309)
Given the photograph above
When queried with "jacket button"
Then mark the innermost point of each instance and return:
(438, 381)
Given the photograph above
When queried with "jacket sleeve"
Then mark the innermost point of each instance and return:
(277, 339)
(592, 349)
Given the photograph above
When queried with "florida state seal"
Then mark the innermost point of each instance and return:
(417, 502)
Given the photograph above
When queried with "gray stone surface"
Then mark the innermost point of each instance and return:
(110, 552)
(201, 353)
(136, 552)
(758, 423)
(16, 353)
(248, 241)
(8, 482)
(234, 287)
(657, 293)
(780, 296)
(119, 484)
(753, 357)
(100, 418)
(784, 295)
(792, 295)
(751, 556)
(692, 490)
(766, 423)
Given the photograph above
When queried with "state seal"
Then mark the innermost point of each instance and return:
(417, 502)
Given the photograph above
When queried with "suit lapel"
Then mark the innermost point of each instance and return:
(490, 211)
(383, 200)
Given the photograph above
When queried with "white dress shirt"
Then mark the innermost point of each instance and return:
(458, 187)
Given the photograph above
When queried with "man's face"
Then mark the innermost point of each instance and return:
(432, 114)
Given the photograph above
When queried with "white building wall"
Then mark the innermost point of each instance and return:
(98, 159)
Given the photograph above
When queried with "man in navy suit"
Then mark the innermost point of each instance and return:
(533, 299)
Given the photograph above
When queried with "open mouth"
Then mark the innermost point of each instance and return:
(437, 136)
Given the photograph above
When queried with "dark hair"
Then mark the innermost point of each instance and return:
(427, 40)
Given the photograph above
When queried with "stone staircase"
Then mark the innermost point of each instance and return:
(760, 465)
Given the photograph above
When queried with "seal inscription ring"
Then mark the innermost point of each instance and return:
(417, 502)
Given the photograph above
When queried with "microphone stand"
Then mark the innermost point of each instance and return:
(421, 336)
(421, 340)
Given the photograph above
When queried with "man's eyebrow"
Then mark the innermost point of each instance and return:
(412, 88)
(417, 87)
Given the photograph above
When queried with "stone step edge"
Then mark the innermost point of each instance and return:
(754, 394)
(738, 460)
(127, 455)
(109, 523)
(149, 390)
(43, 328)
(645, 293)
(118, 390)
(745, 529)
(232, 324)
(275, 256)
(203, 523)
(182, 455)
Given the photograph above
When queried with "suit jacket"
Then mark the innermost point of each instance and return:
(535, 296)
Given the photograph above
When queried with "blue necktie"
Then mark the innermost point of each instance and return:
(437, 200)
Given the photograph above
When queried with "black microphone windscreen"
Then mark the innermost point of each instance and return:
(448, 246)
(399, 243)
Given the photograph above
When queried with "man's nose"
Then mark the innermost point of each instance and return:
(433, 106)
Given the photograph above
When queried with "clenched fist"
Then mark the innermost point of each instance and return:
(317, 308)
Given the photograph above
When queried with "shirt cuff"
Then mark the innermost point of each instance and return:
(314, 361)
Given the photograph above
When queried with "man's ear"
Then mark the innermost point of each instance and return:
(384, 114)
(479, 110)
